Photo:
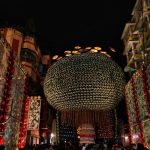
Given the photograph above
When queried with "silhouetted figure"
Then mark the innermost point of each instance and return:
(140, 146)
(2, 147)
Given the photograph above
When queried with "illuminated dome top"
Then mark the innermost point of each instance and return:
(89, 81)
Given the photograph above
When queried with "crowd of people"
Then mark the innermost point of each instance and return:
(75, 146)
(70, 146)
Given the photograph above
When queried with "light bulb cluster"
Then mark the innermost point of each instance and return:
(80, 50)
(89, 81)
(34, 112)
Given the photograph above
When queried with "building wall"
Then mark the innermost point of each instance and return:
(136, 37)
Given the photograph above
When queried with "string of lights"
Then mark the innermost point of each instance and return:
(80, 50)
(90, 81)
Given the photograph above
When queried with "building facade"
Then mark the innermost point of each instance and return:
(136, 37)
(27, 53)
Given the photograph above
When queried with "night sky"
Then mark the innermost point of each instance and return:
(62, 25)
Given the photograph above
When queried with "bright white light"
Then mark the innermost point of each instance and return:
(135, 136)
(52, 135)
(126, 137)
(55, 57)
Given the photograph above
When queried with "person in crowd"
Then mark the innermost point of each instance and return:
(83, 147)
(140, 146)
(2, 147)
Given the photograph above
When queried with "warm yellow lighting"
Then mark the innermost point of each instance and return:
(55, 57)
(75, 52)
(112, 49)
(107, 55)
(67, 52)
(52, 135)
(103, 52)
(137, 56)
(98, 48)
(147, 7)
(59, 58)
(77, 47)
(88, 48)
(78, 130)
(93, 50)
(126, 137)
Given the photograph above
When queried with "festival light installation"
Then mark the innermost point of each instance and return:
(84, 85)
(137, 101)
(34, 112)
(15, 105)
(89, 81)
(24, 117)
(11, 97)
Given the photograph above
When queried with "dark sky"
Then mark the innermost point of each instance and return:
(61, 25)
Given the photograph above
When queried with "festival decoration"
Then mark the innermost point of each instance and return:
(89, 81)
(105, 125)
(15, 105)
(130, 119)
(57, 127)
(84, 88)
(137, 101)
(67, 133)
(4, 53)
(87, 134)
(34, 112)
(137, 114)
(24, 117)
(11, 91)
(5, 99)
(116, 123)
(145, 73)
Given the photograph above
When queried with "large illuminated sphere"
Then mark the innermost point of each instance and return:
(89, 81)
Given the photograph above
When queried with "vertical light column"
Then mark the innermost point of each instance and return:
(57, 127)
(146, 87)
(137, 113)
(87, 134)
(116, 124)
(6, 102)
(129, 118)
(24, 117)
(34, 112)
(16, 98)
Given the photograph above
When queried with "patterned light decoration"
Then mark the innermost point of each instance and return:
(141, 92)
(148, 84)
(89, 81)
(34, 112)
(11, 78)
(24, 117)
(137, 101)
(137, 113)
(4, 55)
(130, 121)
(5, 101)
(116, 123)
(67, 133)
(15, 104)
(85, 88)
(146, 87)
(87, 134)
(106, 125)
(12, 129)
(148, 77)
(57, 127)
